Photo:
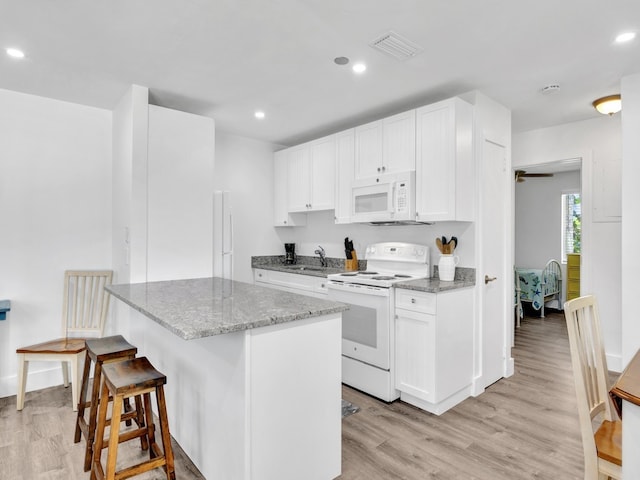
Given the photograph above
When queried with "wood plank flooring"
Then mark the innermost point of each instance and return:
(523, 427)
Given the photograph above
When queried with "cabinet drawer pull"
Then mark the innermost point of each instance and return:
(413, 300)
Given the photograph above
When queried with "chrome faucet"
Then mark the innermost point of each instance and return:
(323, 258)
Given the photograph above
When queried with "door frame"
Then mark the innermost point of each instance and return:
(586, 195)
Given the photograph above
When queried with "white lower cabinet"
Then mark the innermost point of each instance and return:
(434, 347)
(291, 282)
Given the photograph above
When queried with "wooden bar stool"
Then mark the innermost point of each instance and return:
(101, 351)
(121, 380)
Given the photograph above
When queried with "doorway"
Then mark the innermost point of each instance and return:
(548, 201)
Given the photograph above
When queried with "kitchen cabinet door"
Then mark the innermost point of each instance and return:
(281, 215)
(322, 174)
(445, 168)
(386, 146)
(434, 347)
(399, 142)
(311, 176)
(298, 173)
(345, 156)
(368, 150)
(415, 354)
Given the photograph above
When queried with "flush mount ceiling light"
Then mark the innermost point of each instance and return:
(608, 105)
(15, 53)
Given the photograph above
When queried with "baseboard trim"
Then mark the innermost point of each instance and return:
(36, 380)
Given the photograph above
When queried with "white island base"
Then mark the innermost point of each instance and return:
(258, 404)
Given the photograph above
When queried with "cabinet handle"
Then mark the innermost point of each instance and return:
(413, 300)
(322, 285)
(488, 279)
(384, 168)
(378, 169)
(284, 221)
(260, 275)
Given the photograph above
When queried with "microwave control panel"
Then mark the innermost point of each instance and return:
(401, 197)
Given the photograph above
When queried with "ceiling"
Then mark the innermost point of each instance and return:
(227, 58)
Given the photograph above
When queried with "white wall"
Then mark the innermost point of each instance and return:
(597, 142)
(179, 195)
(129, 166)
(538, 221)
(321, 230)
(245, 168)
(55, 205)
(630, 223)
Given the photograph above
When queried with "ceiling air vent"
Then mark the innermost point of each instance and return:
(398, 47)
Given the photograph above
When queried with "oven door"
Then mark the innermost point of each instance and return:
(366, 325)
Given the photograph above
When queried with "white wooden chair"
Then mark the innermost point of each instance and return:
(600, 427)
(84, 311)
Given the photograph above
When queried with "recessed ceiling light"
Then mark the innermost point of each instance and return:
(259, 114)
(15, 53)
(359, 67)
(341, 60)
(625, 37)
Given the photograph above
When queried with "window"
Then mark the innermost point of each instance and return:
(571, 224)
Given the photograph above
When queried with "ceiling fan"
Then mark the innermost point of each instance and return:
(521, 175)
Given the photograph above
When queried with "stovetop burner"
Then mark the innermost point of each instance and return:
(387, 263)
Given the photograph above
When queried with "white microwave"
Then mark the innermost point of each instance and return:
(385, 198)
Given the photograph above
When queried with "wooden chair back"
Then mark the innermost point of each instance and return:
(85, 303)
(590, 376)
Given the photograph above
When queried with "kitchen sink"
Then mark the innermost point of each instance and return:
(305, 267)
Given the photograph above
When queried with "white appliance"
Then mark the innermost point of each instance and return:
(385, 198)
(222, 235)
(368, 342)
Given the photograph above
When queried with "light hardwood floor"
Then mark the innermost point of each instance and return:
(522, 427)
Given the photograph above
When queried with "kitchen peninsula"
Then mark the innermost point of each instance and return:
(253, 374)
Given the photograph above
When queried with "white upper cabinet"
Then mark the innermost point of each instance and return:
(345, 155)
(386, 146)
(282, 217)
(323, 173)
(311, 176)
(445, 169)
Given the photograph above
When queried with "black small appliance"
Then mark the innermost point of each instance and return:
(290, 253)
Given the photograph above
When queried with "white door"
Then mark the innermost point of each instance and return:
(493, 274)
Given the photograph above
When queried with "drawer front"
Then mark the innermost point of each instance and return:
(291, 281)
(417, 301)
(573, 284)
(573, 272)
(573, 259)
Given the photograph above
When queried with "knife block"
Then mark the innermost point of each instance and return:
(351, 265)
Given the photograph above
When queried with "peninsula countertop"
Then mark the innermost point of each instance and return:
(203, 307)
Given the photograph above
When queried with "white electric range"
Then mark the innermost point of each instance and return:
(368, 333)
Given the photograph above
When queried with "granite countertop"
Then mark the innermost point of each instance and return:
(305, 265)
(204, 307)
(464, 277)
(435, 285)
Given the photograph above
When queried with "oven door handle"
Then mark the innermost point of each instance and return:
(357, 289)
